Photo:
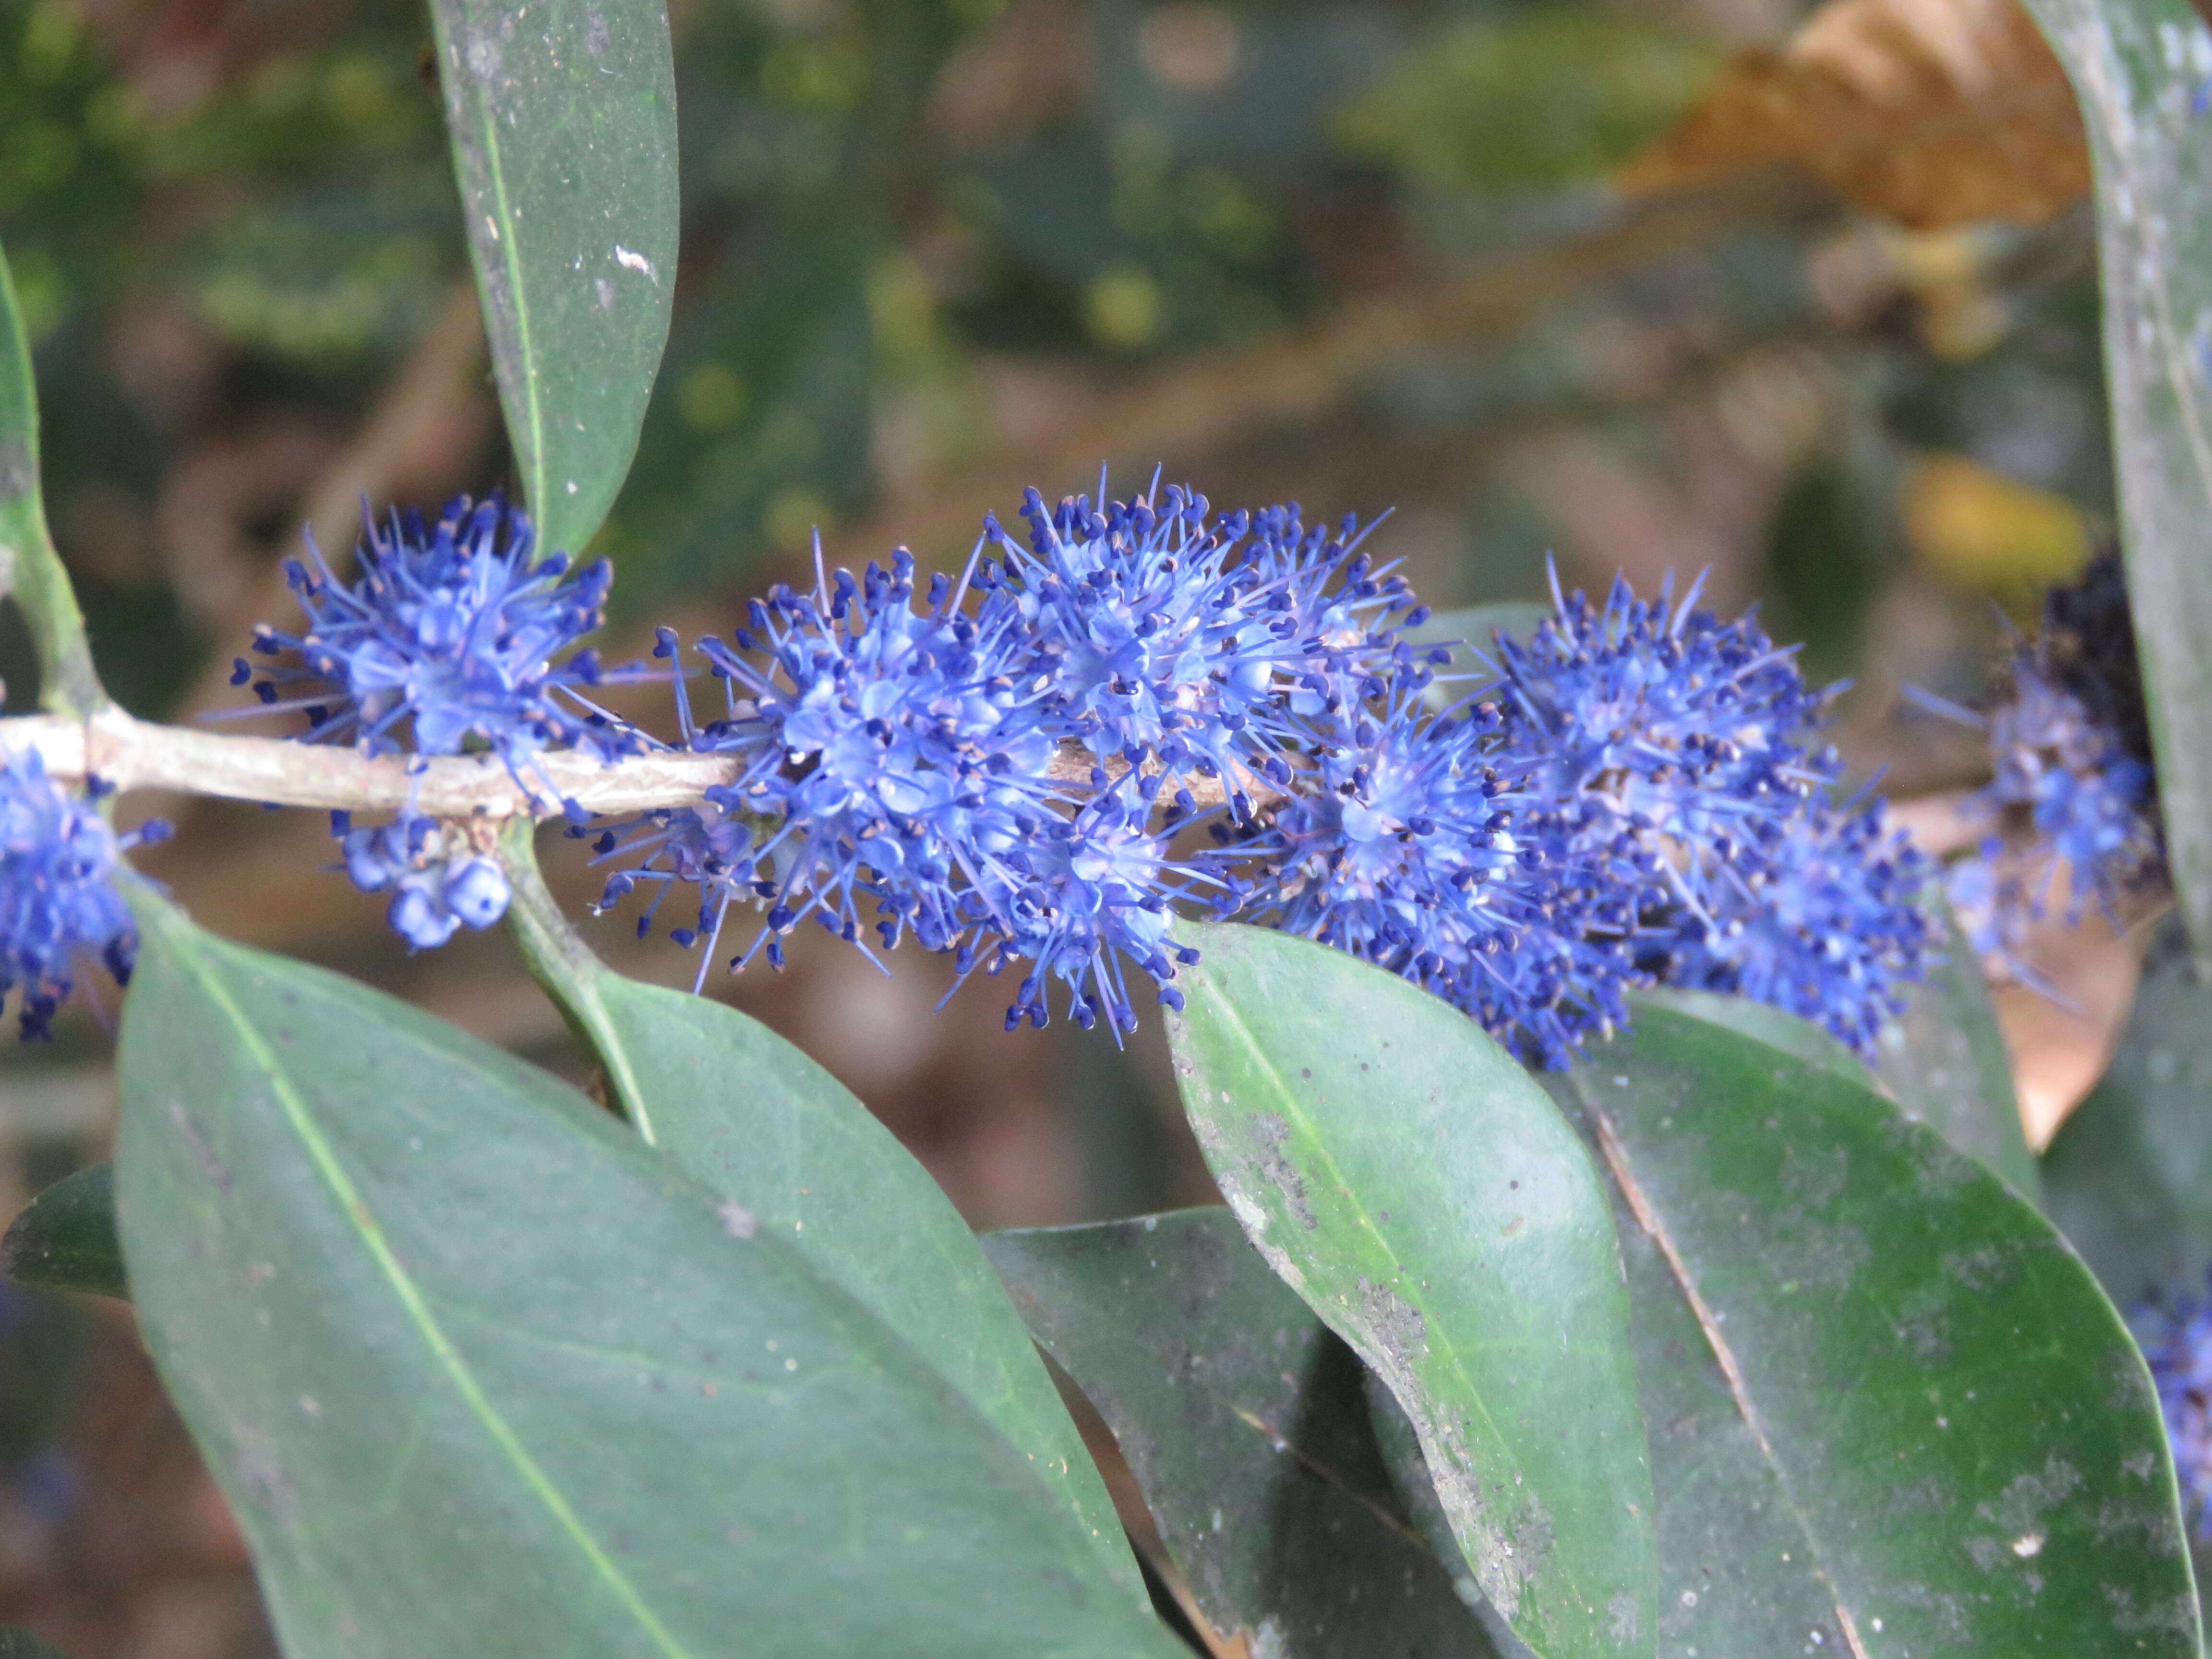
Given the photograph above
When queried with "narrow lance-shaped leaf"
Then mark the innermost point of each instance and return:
(1407, 1179)
(562, 115)
(1243, 1418)
(483, 1374)
(754, 1118)
(1909, 1409)
(2139, 70)
(29, 567)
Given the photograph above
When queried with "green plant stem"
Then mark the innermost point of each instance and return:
(569, 970)
(29, 567)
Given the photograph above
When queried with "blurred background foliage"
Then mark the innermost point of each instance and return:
(1803, 297)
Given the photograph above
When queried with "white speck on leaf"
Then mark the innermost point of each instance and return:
(737, 1222)
(637, 262)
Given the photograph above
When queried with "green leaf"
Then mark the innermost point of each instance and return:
(1946, 1064)
(1943, 1062)
(754, 1118)
(1400, 1442)
(29, 567)
(22, 1644)
(2138, 69)
(563, 121)
(1762, 1023)
(1408, 1180)
(1243, 1418)
(1901, 1378)
(64, 1238)
(483, 1374)
(2128, 1177)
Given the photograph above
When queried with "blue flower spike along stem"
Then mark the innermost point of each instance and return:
(962, 761)
(733, 1371)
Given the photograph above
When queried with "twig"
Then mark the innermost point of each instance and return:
(134, 754)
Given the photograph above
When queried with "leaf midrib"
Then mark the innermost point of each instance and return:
(1615, 1153)
(411, 1298)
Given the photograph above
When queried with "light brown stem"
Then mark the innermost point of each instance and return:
(134, 754)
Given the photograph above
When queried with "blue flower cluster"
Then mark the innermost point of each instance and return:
(1000, 763)
(2176, 1338)
(1422, 841)
(1633, 799)
(1676, 753)
(2071, 814)
(60, 860)
(999, 766)
(436, 878)
(448, 640)
(980, 765)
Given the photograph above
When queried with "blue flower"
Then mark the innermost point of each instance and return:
(1402, 842)
(895, 777)
(1663, 722)
(2080, 814)
(2177, 1339)
(448, 640)
(1092, 891)
(438, 881)
(60, 862)
(1828, 927)
(1676, 753)
(1629, 803)
(2071, 810)
(1170, 638)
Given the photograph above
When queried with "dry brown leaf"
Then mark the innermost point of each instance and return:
(1931, 112)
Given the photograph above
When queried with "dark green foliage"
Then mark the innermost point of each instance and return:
(1407, 1179)
(64, 1238)
(388, 1272)
(1911, 1400)
(1242, 1416)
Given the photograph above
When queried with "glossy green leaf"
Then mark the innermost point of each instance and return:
(2128, 1178)
(2138, 70)
(1957, 1447)
(1946, 1064)
(29, 567)
(64, 1238)
(754, 1118)
(484, 1375)
(1407, 1179)
(562, 115)
(1242, 1416)
(1400, 1442)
